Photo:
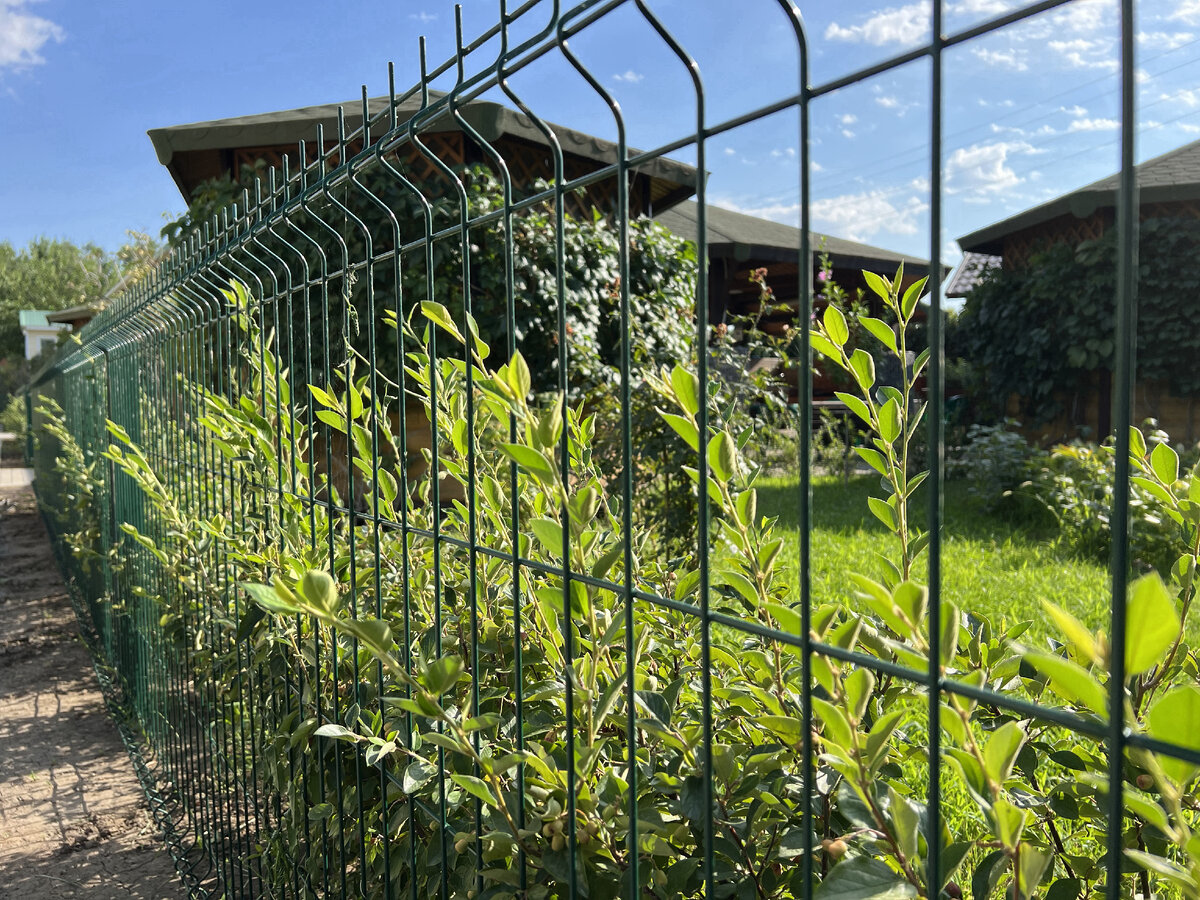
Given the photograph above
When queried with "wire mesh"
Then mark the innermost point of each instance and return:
(294, 760)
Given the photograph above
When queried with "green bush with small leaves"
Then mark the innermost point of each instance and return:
(471, 720)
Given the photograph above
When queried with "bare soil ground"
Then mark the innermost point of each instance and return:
(73, 819)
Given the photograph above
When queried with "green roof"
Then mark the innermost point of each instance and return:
(740, 236)
(34, 318)
(1173, 176)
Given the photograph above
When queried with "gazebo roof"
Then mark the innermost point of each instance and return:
(671, 181)
(740, 236)
(1172, 176)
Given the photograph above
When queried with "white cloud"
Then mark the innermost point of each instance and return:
(903, 25)
(729, 151)
(1093, 125)
(1012, 59)
(983, 169)
(981, 7)
(847, 133)
(1077, 111)
(423, 17)
(785, 153)
(1162, 40)
(858, 217)
(887, 102)
(848, 119)
(629, 76)
(1188, 11)
(23, 35)
(1189, 97)
(1188, 129)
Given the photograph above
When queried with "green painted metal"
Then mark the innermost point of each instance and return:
(298, 246)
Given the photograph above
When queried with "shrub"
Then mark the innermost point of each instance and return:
(995, 460)
(404, 746)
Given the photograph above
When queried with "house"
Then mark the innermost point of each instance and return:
(740, 244)
(1168, 186)
(41, 334)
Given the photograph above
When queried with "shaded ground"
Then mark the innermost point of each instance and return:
(73, 819)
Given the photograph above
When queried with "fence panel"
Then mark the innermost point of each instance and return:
(375, 503)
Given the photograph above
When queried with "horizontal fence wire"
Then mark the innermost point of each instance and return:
(322, 380)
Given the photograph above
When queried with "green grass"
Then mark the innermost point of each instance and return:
(993, 564)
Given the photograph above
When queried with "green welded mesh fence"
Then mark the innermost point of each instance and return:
(397, 621)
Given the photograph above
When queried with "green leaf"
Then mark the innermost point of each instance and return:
(907, 820)
(1072, 629)
(323, 396)
(1175, 719)
(1152, 623)
(786, 727)
(1070, 681)
(320, 590)
(441, 317)
(889, 421)
(337, 733)
(376, 633)
(1001, 751)
(519, 378)
(532, 461)
(911, 296)
(881, 330)
(874, 459)
(266, 597)
(1172, 871)
(862, 366)
(883, 512)
(856, 405)
(684, 427)
(687, 389)
(442, 674)
(722, 453)
(864, 878)
(549, 534)
(1032, 866)
(1165, 463)
(879, 285)
(835, 325)
(1137, 443)
(825, 347)
(476, 787)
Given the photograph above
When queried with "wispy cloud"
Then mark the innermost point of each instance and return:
(785, 153)
(629, 76)
(983, 169)
(902, 25)
(1188, 12)
(423, 17)
(23, 35)
(1093, 125)
(861, 216)
(1163, 40)
(1012, 60)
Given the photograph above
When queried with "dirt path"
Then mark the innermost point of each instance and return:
(73, 820)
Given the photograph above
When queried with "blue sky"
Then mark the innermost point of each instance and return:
(1029, 113)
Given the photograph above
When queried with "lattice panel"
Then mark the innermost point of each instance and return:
(1019, 247)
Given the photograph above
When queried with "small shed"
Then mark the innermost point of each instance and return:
(1168, 187)
(41, 335)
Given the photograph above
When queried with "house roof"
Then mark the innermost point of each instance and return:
(34, 318)
(85, 311)
(744, 237)
(970, 272)
(492, 121)
(1172, 176)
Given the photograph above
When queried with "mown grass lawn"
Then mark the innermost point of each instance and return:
(998, 565)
